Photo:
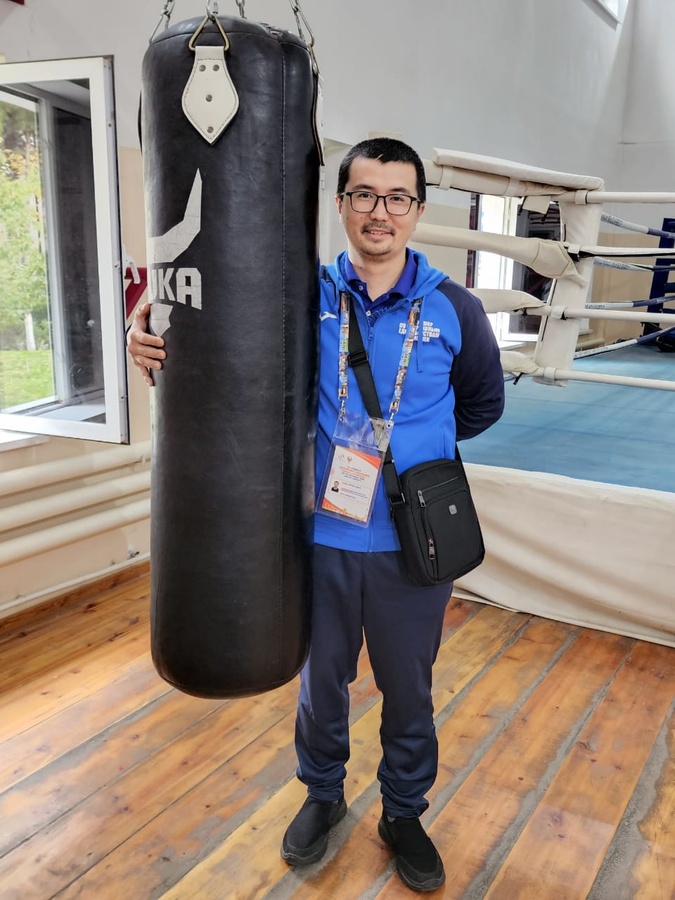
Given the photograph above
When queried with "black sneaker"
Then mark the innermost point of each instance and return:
(417, 860)
(306, 837)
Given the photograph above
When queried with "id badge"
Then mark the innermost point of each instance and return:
(354, 469)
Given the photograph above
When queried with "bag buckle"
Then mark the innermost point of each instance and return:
(357, 357)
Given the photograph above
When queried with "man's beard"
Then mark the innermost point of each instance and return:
(375, 249)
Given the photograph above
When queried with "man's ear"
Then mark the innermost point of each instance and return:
(338, 203)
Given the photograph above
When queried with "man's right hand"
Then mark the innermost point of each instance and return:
(145, 349)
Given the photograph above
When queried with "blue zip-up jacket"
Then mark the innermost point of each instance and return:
(454, 388)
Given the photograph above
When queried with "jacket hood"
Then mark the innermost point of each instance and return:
(426, 279)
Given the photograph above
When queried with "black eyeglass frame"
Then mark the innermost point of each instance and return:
(383, 198)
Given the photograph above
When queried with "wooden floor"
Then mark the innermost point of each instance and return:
(556, 778)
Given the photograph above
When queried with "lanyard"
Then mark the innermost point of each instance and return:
(404, 362)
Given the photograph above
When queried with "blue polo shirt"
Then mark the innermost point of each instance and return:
(402, 288)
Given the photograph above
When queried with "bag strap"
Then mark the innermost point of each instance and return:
(358, 360)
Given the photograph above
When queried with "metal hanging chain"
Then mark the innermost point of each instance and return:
(165, 17)
(167, 12)
(301, 19)
(212, 13)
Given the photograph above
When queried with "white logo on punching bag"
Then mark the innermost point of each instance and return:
(165, 282)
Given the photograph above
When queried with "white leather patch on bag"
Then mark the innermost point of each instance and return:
(210, 100)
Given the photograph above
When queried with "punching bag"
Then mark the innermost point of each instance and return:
(231, 170)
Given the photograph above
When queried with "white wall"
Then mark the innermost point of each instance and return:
(647, 149)
(540, 81)
(648, 140)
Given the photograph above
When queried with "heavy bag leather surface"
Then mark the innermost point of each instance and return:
(232, 231)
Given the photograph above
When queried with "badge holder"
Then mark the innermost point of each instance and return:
(354, 469)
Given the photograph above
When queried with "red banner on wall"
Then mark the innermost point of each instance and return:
(18, 1)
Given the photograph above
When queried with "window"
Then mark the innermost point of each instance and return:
(615, 8)
(544, 226)
(506, 215)
(62, 365)
(490, 270)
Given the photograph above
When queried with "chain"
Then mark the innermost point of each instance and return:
(301, 19)
(165, 17)
(167, 12)
(212, 12)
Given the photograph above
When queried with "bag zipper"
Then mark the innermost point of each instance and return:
(431, 546)
(420, 493)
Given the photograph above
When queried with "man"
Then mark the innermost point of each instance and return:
(452, 389)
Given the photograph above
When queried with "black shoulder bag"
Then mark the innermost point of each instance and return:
(431, 503)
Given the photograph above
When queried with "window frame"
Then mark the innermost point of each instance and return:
(494, 271)
(34, 78)
(614, 8)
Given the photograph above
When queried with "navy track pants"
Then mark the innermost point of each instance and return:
(366, 593)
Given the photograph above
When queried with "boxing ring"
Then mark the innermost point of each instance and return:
(575, 487)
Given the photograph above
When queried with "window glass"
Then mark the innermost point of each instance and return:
(26, 359)
(614, 7)
(62, 365)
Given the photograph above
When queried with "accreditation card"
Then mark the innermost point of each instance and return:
(353, 471)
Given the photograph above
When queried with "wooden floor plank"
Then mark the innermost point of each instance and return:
(365, 715)
(564, 842)
(113, 784)
(653, 873)
(266, 826)
(236, 790)
(53, 792)
(494, 694)
(243, 719)
(122, 806)
(640, 862)
(32, 653)
(492, 801)
(457, 614)
(470, 648)
(157, 855)
(132, 581)
(35, 748)
(28, 704)
(466, 651)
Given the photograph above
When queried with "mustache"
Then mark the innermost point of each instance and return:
(378, 226)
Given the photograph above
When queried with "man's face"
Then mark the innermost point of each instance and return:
(378, 234)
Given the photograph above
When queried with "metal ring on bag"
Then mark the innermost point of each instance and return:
(191, 43)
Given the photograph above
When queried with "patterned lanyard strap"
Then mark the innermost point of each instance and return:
(404, 362)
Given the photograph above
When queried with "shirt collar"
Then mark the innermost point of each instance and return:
(402, 288)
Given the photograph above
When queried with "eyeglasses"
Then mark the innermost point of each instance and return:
(366, 201)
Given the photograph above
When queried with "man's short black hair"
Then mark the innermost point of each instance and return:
(386, 150)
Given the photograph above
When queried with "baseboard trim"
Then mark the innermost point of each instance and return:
(72, 596)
